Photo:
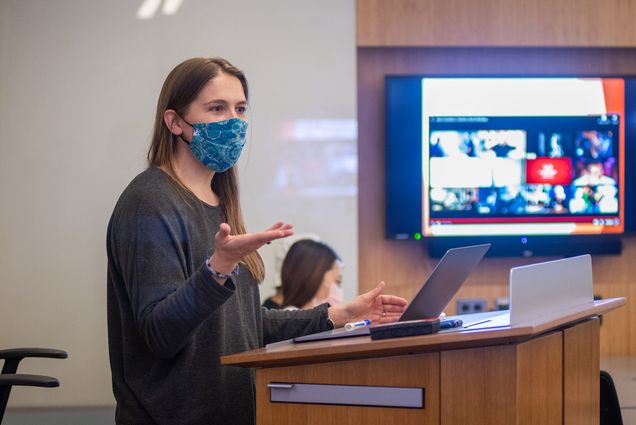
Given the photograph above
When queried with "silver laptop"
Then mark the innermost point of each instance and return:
(443, 283)
(541, 289)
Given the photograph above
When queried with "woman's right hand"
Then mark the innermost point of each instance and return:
(230, 249)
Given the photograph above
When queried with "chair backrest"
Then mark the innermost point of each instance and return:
(610, 407)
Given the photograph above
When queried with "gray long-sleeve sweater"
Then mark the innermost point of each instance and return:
(169, 321)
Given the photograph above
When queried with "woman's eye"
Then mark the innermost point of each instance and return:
(241, 109)
(217, 108)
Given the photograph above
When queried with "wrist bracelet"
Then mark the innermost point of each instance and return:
(330, 323)
(221, 275)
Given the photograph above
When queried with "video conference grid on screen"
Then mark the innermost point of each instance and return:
(522, 155)
(487, 168)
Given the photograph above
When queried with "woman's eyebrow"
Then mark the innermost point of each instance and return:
(224, 102)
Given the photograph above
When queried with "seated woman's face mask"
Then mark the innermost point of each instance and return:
(335, 297)
(218, 145)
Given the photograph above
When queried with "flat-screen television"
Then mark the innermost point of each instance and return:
(534, 165)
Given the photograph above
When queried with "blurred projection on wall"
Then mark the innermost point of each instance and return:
(149, 8)
(319, 158)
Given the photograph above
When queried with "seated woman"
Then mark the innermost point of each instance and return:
(281, 248)
(311, 275)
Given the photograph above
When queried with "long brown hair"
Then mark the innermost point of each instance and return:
(180, 89)
(303, 270)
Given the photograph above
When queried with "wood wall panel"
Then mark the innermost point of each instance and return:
(556, 23)
(404, 265)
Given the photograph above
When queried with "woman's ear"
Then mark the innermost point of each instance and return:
(171, 119)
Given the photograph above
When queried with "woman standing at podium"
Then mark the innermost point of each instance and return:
(183, 272)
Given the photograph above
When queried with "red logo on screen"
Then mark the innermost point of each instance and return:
(549, 171)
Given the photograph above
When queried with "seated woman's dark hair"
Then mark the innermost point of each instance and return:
(303, 270)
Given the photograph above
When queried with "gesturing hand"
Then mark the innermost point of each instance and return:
(371, 305)
(230, 249)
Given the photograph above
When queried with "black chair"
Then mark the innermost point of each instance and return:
(9, 377)
(610, 407)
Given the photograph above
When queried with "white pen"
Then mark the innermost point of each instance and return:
(353, 325)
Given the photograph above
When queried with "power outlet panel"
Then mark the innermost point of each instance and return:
(471, 305)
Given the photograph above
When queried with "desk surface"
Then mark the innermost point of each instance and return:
(364, 347)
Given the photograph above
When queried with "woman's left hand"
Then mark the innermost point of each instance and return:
(230, 249)
(372, 306)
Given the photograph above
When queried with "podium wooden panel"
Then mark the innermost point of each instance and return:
(581, 381)
(545, 372)
(510, 379)
(421, 370)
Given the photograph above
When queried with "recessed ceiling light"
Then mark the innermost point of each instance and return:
(170, 7)
(148, 9)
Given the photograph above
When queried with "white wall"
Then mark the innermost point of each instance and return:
(79, 80)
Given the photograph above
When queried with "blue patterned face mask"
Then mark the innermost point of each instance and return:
(218, 145)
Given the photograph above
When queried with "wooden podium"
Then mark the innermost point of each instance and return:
(545, 372)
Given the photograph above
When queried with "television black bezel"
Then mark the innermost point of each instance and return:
(514, 245)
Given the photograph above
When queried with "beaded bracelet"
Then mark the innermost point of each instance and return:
(331, 323)
(219, 275)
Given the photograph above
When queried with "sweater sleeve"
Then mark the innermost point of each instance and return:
(169, 296)
(279, 325)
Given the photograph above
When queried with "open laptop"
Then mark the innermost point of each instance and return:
(443, 283)
(538, 290)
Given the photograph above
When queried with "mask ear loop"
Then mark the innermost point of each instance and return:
(181, 135)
